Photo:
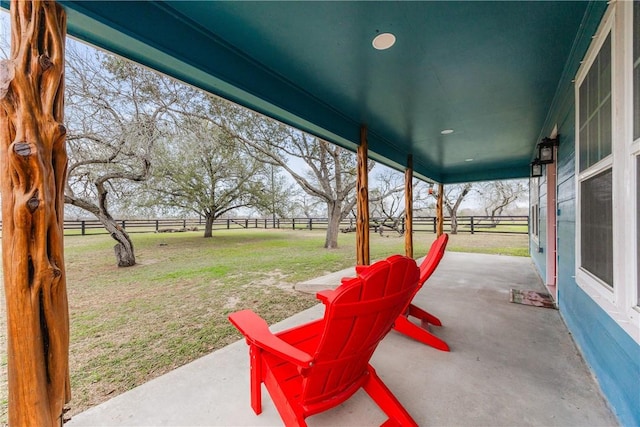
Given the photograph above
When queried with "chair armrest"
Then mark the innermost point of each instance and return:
(257, 332)
(324, 295)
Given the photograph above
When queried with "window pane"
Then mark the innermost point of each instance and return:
(584, 148)
(605, 130)
(595, 109)
(604, 76)
(636, 70)
(596, 213)
(584, 102)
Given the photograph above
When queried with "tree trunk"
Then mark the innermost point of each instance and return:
(33, 163)
(454, 222)
(439, 211)
(408, 208)
(123, 250)
(333, 226)
(362, 201)
(125, 255)
(208, 226)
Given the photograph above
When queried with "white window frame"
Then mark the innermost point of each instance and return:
(621, 301)
(632, 165)
(534, 210)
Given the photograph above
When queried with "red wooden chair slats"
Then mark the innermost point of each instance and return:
(314, 367)
(403, 324)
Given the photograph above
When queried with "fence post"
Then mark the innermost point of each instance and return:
(228, 223)
(184, 223)
(402, 227)
(246, 223)
(435, 225)
(293, 223)
(472, 230)
(82, 225)
(310, 223)
(157, 225)
(123, 224)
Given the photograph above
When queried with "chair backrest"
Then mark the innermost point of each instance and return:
(431, 261)
(358, 315)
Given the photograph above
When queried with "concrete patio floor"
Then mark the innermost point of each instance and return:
(509, 365)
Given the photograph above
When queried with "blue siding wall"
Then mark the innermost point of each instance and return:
(612, 355)
(609, 351)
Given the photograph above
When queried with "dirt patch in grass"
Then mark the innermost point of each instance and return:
(129, 325)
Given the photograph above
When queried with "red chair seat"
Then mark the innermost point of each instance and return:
(317, 366)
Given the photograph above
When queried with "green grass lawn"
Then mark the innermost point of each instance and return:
(129, 325)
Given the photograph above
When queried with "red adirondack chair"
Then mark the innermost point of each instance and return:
(314, 367)
(403, 324)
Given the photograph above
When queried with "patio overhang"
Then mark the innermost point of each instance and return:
(489, 71)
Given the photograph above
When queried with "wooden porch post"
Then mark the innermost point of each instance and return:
(33, 164)
(439, 212)
(408, 208)
(362, 215)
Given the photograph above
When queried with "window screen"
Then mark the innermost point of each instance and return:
(595, 109)
(596, 236)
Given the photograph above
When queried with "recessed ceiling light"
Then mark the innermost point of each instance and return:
(468, 160)
(446, 131)
(384, 41)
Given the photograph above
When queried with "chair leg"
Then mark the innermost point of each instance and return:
(423, 315)
(403, 325)
(255, 357)
(291, 414)
(390, 405)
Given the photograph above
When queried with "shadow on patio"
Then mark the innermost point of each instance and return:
(509, 365)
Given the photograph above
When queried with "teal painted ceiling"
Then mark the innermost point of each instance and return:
(487, 70)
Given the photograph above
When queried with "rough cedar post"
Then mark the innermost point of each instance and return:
(439, 211)
(362, 215)
(408, 208)
(33, 165)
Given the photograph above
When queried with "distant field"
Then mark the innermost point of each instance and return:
(133, 324)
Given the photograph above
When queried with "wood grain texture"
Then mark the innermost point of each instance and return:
(362, 215)
(33, 161)
(408, 210)
(439, 211)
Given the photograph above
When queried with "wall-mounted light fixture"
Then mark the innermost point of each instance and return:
(536, 168)
(546, 150)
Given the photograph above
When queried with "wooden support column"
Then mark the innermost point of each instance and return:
(362, 214)
(408, 208)
(33, 165)
(439, 211)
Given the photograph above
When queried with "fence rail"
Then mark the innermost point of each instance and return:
(466, 224)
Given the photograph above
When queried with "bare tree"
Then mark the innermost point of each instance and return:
(307, 206)
(452, 198)
(387, 200)
(115, 113)
(499, 195)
